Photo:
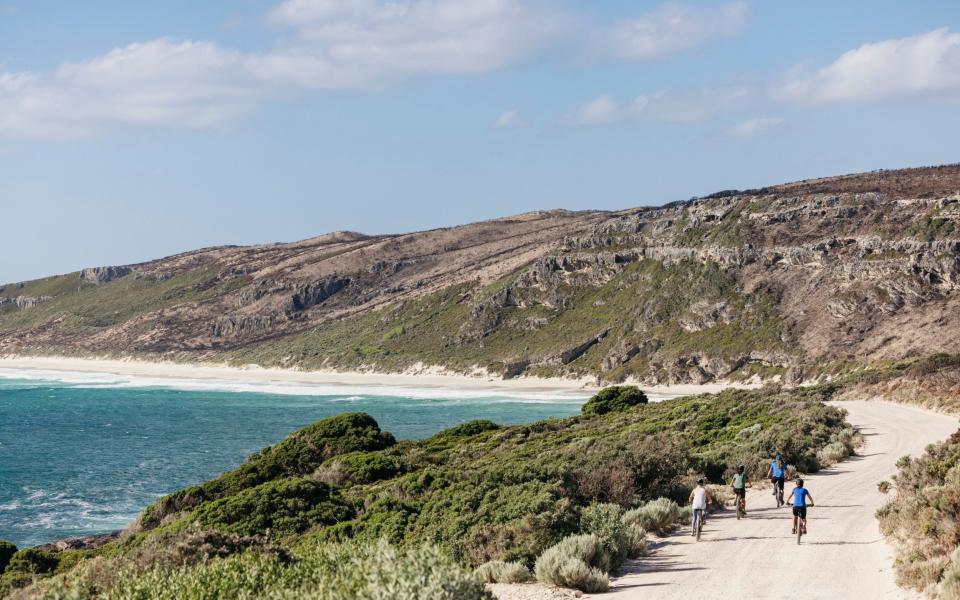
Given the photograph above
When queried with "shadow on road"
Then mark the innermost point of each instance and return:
(655, 564)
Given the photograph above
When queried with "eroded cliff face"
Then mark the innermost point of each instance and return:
(782, 282)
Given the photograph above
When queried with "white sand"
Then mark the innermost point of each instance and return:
(415, 378)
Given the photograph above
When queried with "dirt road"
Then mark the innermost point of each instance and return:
(844, 555)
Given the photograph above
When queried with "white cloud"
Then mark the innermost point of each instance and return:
(338, 45)
(507, 119)
(672, 28)
(180, 84)
(678, 106)
(754, 127)
(926, 65)
(602, 109)
(389, 39)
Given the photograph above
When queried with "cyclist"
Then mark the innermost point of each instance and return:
(800, 499)
(699, 500)
(740, 484)
(777, 473)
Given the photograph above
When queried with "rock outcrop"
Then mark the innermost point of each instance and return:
(25, 301)
(101, 275)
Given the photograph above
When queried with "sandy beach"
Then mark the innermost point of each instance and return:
(427, 377)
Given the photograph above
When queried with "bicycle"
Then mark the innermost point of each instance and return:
(801, 528)
(698, 521)
(778, 492)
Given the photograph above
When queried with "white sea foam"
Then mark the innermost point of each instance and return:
(115, 381)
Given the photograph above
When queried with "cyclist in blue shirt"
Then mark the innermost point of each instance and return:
(800, 499)
(777, 473)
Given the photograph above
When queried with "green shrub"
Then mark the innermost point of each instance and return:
(620, 539)
(659, 516)
(298, 455)
(497, 571)
(933, 363)
(832, 453)
(285, 507)
(191, 547)
(321, 572)
(26, 565)
(33, 560)
(468, 429)
(367, 467)
(616, 398)
(578, 561)
(7, 550)
(576, 574)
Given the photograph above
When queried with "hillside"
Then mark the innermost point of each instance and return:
(792, 280)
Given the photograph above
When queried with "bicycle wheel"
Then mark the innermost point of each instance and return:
(699, 528)
(801, 523)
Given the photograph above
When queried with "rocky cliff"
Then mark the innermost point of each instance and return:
(790, 281)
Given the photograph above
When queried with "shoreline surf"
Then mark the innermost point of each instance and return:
(426, 382)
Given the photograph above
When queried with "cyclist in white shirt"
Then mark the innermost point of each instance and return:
(699, 500)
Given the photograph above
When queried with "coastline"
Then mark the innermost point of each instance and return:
(423, 378)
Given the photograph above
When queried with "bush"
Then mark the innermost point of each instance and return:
(285, 507)
(367, 467)
(620, 539)
(616, 398)
(497, 571)
(321, 572)
(34, 561)
(7, 550)
(26, 565)
(949, 586)
(573, 573)
(297, 455)
(659, 516)
(722, 495)
(832, 453)
(578, 561)
(467, 429)
(185, 548)
(608, 482)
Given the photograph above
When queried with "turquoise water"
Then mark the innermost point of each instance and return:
(83, 454)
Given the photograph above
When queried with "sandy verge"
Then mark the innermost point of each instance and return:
(530, 591)
(415, 378)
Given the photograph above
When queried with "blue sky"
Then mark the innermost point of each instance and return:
(133, 130)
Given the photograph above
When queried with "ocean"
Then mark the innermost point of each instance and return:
(84, 453)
